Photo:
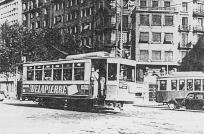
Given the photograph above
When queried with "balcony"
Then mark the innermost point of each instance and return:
(198, 13)
(182, 46)
(198, 29)
(156, 9)
(184, 28)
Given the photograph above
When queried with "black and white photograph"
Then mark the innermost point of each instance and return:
(101, 66)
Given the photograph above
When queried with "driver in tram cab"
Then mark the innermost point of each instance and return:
(94, 78)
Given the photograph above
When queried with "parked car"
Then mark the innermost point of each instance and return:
(2, 96)
(193, 100)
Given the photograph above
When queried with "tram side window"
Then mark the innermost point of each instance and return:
(67, 71)
(174, 85)
(163, 85)
(127, 73)
(38, 72)
(79, 71)
(189, 85)
(181, 84)
(57, 72)
(47, 72)
(30, 73)
(197, 84)
(112, 71)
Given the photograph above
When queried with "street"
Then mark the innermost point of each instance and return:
(27, 118)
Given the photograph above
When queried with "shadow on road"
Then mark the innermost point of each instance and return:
(103, 111)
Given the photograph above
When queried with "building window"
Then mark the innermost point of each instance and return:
(144, 37)
(169, 20)
(168, 55)
(24, 17)
(185, 21)
(144, 20)
(184, 39)
(24, 6)
(143, 3)
(144, 55)
(167, 4)
(38, 24)
(168, 38)
(45, 11)
(32, 25)
(37, 14)
(156, 20)
(45, 1)
(155, 4)
(156, 37)
(45, 23)
(31, 4)
(31, 15)
(184, 6)
(156, 55)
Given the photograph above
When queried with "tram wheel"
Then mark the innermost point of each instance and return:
(172, 106)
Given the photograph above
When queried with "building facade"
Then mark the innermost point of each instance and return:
(10, 11)
(164, 32)
(95, 22)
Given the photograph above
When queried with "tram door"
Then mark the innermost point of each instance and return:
(99, 68)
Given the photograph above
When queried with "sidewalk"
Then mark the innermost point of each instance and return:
(149, 104)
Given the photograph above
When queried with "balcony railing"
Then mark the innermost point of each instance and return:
(184, 28)
(156, 9)
(185, 46)
(198, 13)
(198, 29)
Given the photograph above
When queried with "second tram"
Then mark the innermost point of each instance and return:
(178, 85)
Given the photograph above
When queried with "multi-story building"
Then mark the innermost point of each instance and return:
(96, 22)
(164, 32)
(10, 11)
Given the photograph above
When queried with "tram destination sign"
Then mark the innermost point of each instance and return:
(53, 89)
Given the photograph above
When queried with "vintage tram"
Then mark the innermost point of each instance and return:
(178, 85)
(83, 80)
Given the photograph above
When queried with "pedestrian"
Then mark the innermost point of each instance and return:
(94, 78)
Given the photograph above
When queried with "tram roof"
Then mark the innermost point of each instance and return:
(184, 74)
(92, 55)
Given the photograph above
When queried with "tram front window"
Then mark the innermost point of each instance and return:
(79, 71)
(57, 72)
(38, 73)
(127, 73)
(189, 85)
(112, 71)
(181, 84)
(174, 85)
(67, 71)
(163, 85)
(197, 85)
(30, 73)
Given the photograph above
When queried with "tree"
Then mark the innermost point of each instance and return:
(35, 45)
(194, 59)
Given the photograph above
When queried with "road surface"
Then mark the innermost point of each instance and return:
(27, 118)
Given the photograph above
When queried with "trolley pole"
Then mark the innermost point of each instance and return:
(121, 28)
